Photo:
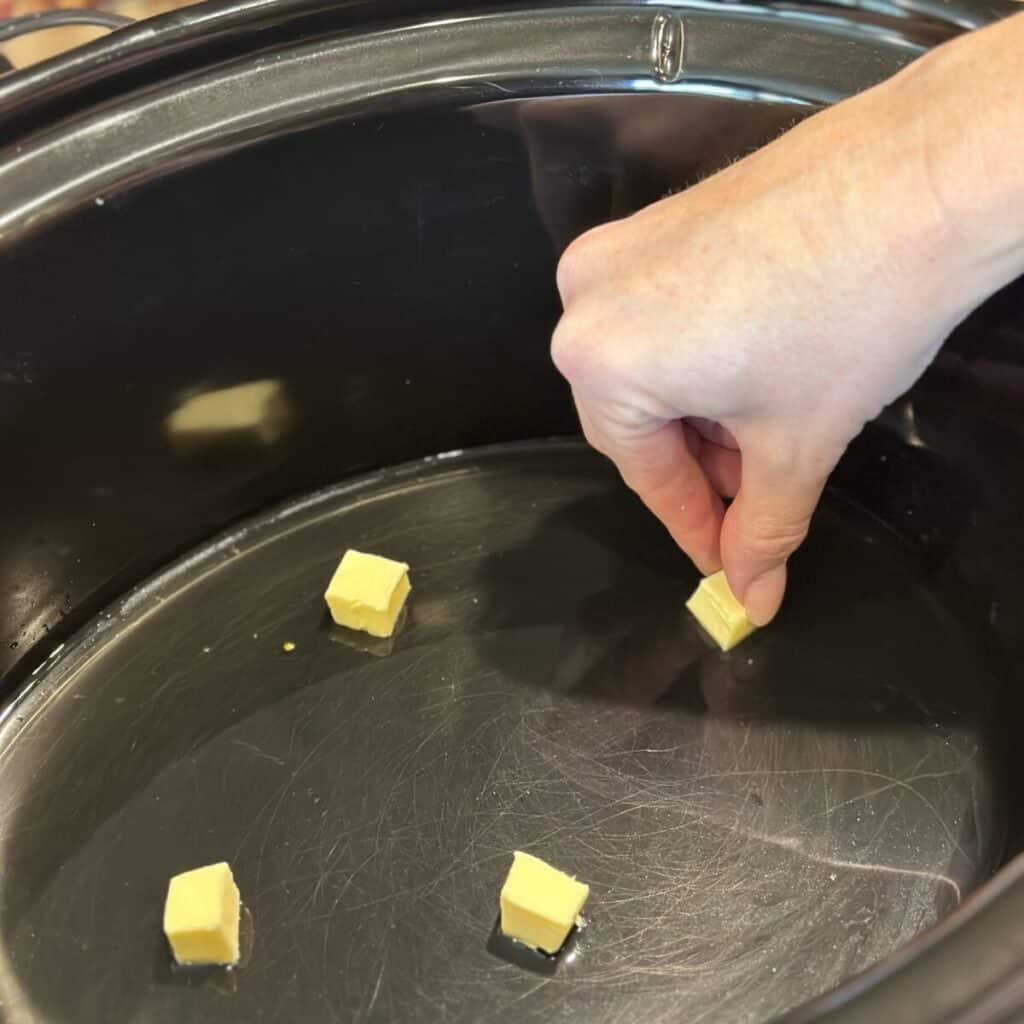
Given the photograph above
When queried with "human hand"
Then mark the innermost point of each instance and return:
(730, 341)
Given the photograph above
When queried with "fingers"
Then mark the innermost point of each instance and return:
(765, 524)
(722, 467)
(679, 475)
(717, 453)
(657, 463)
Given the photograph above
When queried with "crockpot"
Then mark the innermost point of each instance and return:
(277, 280)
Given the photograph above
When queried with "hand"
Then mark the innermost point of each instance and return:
(730, 341)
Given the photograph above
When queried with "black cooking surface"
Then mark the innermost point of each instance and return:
(755, 827)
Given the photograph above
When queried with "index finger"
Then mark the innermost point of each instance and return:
(656, 461)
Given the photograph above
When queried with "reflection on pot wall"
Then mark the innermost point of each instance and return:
(594, 159)
(255, 413)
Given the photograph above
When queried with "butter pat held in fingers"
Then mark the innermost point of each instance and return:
(715, 607)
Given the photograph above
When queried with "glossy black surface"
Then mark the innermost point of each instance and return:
(208, 33)
(392, 272)
(738, 52)
(406, 308)
(755, 826)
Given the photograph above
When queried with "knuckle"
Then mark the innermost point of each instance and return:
(568, 349)
(566, 274)
(583, 350)
(593, 437)
(773, 540)
(575, 268)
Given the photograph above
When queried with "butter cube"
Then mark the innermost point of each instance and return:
(540, 904)
(367, 592)
(717, 610)
(201, 916)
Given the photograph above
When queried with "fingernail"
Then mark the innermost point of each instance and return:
(763, 595)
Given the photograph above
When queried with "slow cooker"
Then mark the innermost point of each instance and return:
(277, 279)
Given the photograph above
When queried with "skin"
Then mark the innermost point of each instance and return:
(724, 345)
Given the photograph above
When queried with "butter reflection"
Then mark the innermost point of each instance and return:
(219, 978)
(256, 413)
(364, 643)
(532, 960)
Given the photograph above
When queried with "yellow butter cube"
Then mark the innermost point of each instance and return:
(201, 916)
(715, 607)
(539, 903)
(367, 593)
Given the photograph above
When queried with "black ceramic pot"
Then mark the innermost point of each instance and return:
(276, 279)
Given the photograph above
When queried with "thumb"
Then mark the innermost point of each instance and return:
(765, 524)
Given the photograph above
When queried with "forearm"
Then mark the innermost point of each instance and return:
(914, 189)
(966, 110)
